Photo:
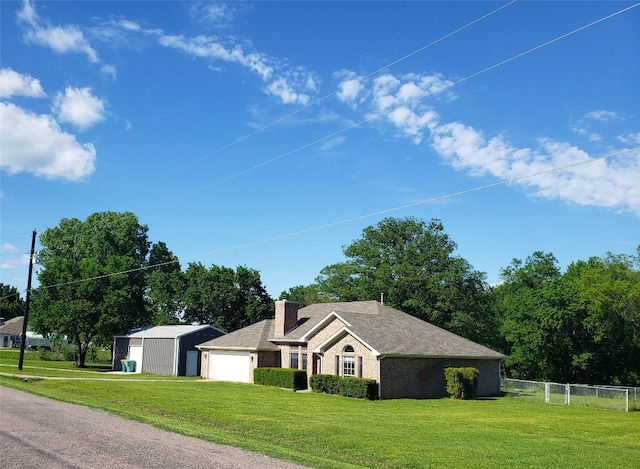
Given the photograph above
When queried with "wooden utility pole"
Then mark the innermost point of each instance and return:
(23, 337)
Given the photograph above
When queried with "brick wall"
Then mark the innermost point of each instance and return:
(424, 377)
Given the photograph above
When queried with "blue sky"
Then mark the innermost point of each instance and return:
(269, 134)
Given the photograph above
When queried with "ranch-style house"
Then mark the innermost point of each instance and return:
(405, 355)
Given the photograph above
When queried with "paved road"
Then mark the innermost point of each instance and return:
(41, 433)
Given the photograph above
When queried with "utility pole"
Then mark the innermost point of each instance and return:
(23, 337)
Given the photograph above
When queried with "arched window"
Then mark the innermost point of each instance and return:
(348, 361)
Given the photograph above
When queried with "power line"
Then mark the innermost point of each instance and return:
(361, 217)
(369, 119)
(333, 93)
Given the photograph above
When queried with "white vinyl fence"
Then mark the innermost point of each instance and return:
(607, 397)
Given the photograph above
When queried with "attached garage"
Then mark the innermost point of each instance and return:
(230, 366)
(234, 356)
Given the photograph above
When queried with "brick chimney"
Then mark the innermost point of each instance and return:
(286, 317)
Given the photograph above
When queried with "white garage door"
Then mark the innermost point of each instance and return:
(229, 366)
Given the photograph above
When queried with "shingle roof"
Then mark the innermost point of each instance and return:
(392, 332)
(13, 326)
(253, 338)
(388, 331)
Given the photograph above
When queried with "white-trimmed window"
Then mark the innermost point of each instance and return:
(348, 366)
(348, 361)
(293, 356)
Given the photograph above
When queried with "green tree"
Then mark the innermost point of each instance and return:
(165, 286)
(523, 313)
(225, 298)
(609, 288)
(580, 326)
(92, 280)
(412, 263)
(304, 295)
(11, 304)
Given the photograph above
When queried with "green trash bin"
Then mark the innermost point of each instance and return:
(123, 365)
(132, 366)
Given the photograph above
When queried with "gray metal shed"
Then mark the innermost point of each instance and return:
(164, 350)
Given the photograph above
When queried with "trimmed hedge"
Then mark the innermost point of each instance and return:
(462, 383)
(281, 377)
(347, 386)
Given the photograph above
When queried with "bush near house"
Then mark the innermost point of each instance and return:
(346, 386)
(462, 383)
(281, 377)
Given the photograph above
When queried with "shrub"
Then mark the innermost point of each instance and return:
(281, 377)
(462, 383)
(346, 386)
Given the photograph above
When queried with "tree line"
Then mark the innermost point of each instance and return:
(102, 276)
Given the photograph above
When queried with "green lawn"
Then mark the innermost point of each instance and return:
(336, 432)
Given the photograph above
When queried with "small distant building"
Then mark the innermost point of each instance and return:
(11, 330)
(163, 350)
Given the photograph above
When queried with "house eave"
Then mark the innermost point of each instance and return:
(339, 334)
(437, 356)
(236, 349)
(322, 323)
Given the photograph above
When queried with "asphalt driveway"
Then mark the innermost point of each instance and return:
(43, 433)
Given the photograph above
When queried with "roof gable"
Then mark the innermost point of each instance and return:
(168, 332)
(251, 338)
(388, 331)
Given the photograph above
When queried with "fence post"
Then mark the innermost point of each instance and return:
(626, 400)
(546, 393)
(567, 399)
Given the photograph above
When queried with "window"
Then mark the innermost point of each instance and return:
(293, 360)
(348, 366)
(304, 361)
(348, 361)
(293, 356)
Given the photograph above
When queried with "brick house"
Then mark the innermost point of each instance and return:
(367, 339)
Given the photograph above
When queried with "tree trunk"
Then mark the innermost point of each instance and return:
(81, 354)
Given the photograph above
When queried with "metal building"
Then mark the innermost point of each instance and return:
(163, 350)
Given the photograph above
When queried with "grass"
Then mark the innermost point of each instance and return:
(335, 432)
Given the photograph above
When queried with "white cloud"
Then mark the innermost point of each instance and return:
(290, 85)
(350, 90)
(630, 138)
(612, 184)
(604, 116)
(13, 261)
(8, 248)
(332, 143)
(129, 25)
(79, 107)
(211, 48)
(11, 257)
(16, 84)
(216, 13)
(601, 183)
(35, 144)
(62, 39)
(110, 70)
(283, 90)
